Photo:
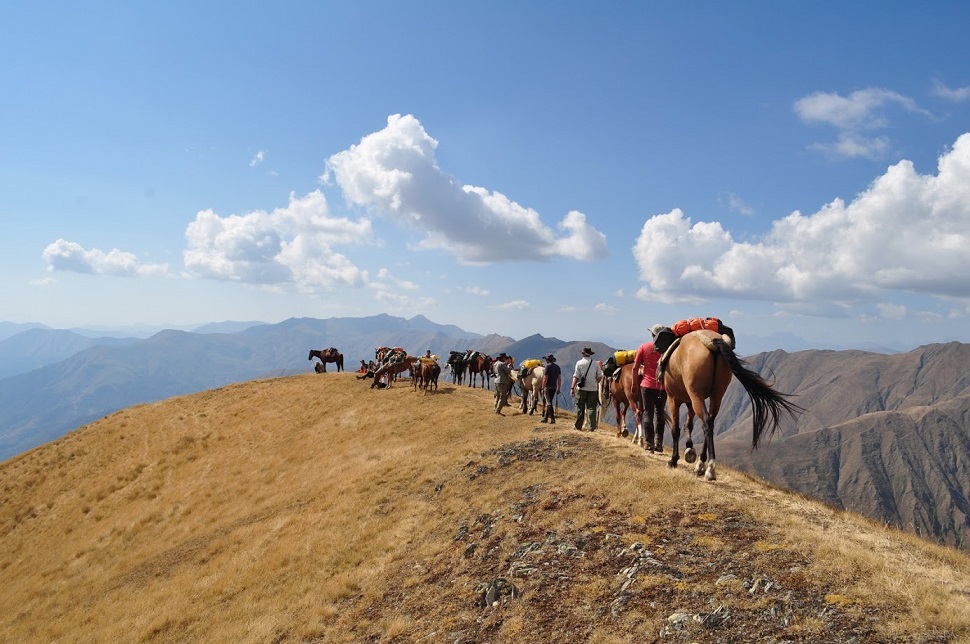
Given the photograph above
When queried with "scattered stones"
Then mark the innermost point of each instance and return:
(498, 592)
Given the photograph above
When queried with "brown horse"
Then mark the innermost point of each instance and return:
(391, 369)
(480, 364)
(623, 390)
(325, 356)
(425, 376)
(700, 368)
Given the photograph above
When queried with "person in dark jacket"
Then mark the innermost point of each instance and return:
(551, 385)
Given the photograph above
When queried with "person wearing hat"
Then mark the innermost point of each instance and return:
(585, 388)
(653, 396)
(551, 385)
(503, 382)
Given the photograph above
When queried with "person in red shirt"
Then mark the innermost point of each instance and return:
(653, 396)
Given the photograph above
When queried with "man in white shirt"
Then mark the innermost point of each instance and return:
(585, 388)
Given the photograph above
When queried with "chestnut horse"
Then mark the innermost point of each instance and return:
(700, 368)
(623, 390)
(327, 355)
(426, 375)
(391, 369)
(480, 364)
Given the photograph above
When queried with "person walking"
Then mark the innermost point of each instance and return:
(503, 382)
(551, 385)
(653, 396)
(585, 389)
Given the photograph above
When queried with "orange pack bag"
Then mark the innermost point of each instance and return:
(683, 327)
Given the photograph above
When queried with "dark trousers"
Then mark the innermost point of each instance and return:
(652, 403)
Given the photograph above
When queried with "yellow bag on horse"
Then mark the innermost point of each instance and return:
(531, 364)
(623, 357)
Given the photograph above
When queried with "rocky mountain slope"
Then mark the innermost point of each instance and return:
(313, 508)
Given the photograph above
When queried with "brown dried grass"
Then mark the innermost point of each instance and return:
(313, 508)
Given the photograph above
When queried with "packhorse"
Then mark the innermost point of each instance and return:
(700, 368)
(478, 364)
(623, 390)
(392, 368)
(325, 356)
(529, 379)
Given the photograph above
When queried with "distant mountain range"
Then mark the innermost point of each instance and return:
(56, 380)
(885, 435)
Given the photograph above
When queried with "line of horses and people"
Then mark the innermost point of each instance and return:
(693, 363)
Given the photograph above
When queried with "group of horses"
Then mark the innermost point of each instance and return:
(472, 365)
(697, 370)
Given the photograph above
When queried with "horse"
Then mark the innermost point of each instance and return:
(426, 375)
(531, 385)
(699, 368)
(623, 390)
(391, 369)
(456, 361)
(479, 363)
(325, 356)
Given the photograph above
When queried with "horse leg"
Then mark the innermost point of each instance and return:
(689, 454)
(708, 451)
(619, 421)
(674, 430)
(700, 411)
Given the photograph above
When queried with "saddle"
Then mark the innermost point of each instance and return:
(665, 358)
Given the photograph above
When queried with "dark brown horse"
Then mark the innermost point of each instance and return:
(479, 364)
(701, 368)
(327, 355)
(456, 362)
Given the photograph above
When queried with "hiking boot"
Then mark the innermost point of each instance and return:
(543, 421)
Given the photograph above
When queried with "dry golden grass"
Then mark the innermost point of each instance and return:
(313, 508)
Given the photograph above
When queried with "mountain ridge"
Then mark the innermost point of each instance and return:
(314, 508)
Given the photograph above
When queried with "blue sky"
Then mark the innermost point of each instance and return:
(579, 170)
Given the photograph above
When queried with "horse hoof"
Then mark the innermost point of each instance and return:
(690, 455)
(625, 433)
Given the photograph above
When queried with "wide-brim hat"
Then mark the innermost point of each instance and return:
(656, 328)
(551, 358)
(587, 351)
(501, 356)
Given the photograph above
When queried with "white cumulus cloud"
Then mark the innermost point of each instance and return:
(394, 172)
(292, 244)
(63, 255)
(907, 232)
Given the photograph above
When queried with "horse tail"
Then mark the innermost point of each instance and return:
(766, 403)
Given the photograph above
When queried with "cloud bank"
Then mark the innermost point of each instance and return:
(293, 244)
(63, 255)
(907, 232)
(393, 172)
(856, 117)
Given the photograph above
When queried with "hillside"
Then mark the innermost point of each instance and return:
(40, 405)
(883, 435)
(313, 508)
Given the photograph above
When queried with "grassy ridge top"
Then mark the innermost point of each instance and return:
(313, 508)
